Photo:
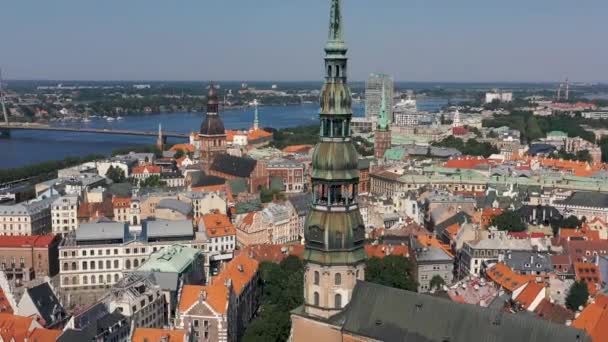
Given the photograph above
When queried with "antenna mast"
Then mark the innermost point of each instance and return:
(2, 99)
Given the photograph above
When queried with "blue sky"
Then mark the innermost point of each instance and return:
(414, 40)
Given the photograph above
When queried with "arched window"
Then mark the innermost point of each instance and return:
(337, 71)
(100, 279)
(135, 263)
(338, 301)
(329, 71)
(128, 264)
(74, 280)
(85, 280)
(93, 279)
(92, 264)
(85, 265)
(66, 281)
(65, 266)
(74, 267)
(115, 263)
(109, 278)
(338, 279)
(108, 264)
(316, 298)
(116, 278)
(316, 277)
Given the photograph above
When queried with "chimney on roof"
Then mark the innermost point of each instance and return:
(240, 268)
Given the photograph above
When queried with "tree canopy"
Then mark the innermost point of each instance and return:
(116, 174)
(282, 292)
(509, 221)
(470, 147)
(577, 296)
(392, 270)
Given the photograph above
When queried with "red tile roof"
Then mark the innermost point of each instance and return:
(27, 241)
(218, 225)
(594, 319)
(272, 253)
(529, 294)
(382, 250)
(158, 335)
(146, 168)
(553, 312)
(466, 163)
(590, 273)
(298, 148)
(121, 202)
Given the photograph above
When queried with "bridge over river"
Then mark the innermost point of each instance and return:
(5, 130)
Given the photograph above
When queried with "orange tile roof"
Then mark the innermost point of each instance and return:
(569, 233)
(466, 163)
(297, 149)
(433, 242)
(504, 276)
(5, 305)
(121, 202)
(594, 319)
(381, 250)
(213, 188)
(272, 253)
(218, 225)
(183, 147)
(240, 270)
(453, 230)
(158, 335)
(529, 294)
(146, 168)
(581, 169)
(248, 220)
(590, 273)
(215, 294)
(597, 220)
(256, 134)
(27, 241)
(14, 327)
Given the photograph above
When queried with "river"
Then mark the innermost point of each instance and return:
(27, 147)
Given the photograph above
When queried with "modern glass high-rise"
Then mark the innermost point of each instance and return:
(373, 95)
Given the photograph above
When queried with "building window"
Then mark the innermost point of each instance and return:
(128, 264)
(66, 281)
(74, 266)
(65, 266)
(338, 279)
(338, 301)
(115, 263)
(116, 278)
(316, 277)
(316, 298)
(85, 280)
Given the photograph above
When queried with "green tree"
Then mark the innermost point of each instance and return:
(509, 221)
(267, 195)
(577, 296)
(437, 282)
(571, 222)
(179, 153)
(282, 292)
(152, 182)
(116, 174)
(392, 270)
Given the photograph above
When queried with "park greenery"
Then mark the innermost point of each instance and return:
(116, 174)
(152, 182)
(43, 171)
(283, 291)
(510, 221)
(577, 295)
(392, 270)
(294, 136)
(582, 155)
(534, 127)
(437, 282)
(471, 147)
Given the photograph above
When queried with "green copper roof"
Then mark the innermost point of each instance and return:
(335, 40)
(175, 259)
(335, 161)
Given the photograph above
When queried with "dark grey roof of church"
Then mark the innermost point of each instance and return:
(234, 166)
(389, 314)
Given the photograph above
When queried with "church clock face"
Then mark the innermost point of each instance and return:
(315, 233)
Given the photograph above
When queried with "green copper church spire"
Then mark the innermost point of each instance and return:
(256, 118)
(334, 230)
(383, 119)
